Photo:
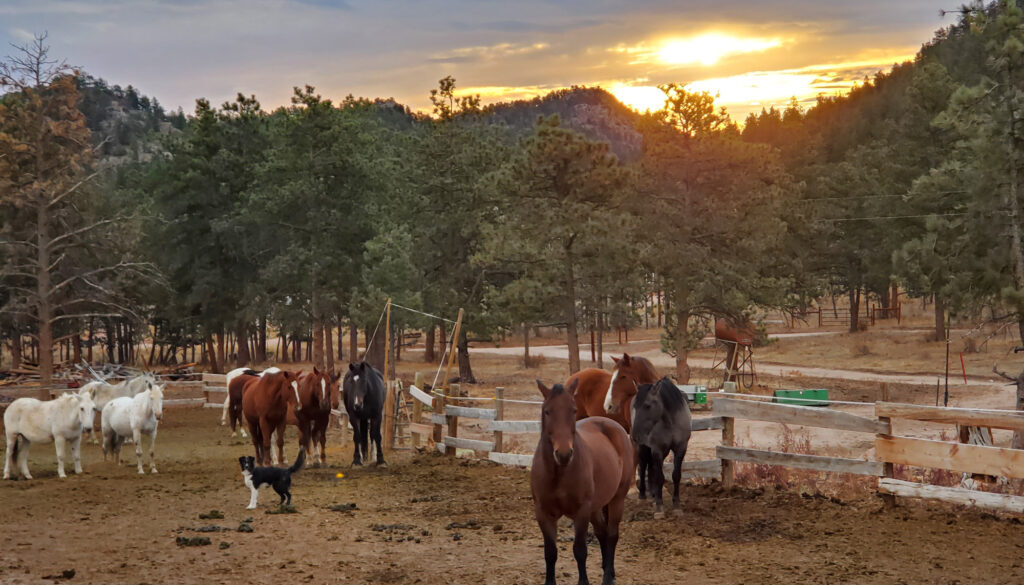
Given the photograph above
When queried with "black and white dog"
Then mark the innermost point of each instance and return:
(279, 478)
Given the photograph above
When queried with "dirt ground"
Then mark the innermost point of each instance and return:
(428, 519)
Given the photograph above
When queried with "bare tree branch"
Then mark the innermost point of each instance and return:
(96, 271)
(71, 190)
(85, 229)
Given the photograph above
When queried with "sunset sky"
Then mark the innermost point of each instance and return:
(751, 53)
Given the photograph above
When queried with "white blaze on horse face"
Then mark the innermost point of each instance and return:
(608, 396)
(298, 403)
(156, 401)
(323, 389)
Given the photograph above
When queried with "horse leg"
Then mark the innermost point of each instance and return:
(267, 434)
(322, 437)
(644, 460)
(657, 467)
(364, 439)
(614, 516)
(12, 446)
(600, 521)
(137, 438)
(254, 434)
(375, 435)
(224, 414)
(76, 453)
(549, 529)
(152, 452)
(357, 451)
(280, 444)
(23, 445)
(579, 546)
(60, 443)
(677, 473)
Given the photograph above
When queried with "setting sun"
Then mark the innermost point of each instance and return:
(708, 49)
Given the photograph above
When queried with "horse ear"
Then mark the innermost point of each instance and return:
(625, 359)
(351, 367)
(544, 390)
(573, 386)
(615, 359)
(316, 372)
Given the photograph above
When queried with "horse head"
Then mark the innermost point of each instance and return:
(622, 385)
(333, 391)
(290, 386)
(86, 409)
(558, 420)
(156, 401)
(355, 386)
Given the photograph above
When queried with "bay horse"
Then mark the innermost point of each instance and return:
(265, 402)
(364, 401)
(661, 424)
(60, 420)
(317, 395)
(583, 470)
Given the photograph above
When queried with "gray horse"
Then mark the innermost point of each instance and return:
(661, 423)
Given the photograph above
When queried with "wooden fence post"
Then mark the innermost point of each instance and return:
(499, 414)
(390, 390)
(728, 467)
(453, 422)
(417, 409)
(888, 499)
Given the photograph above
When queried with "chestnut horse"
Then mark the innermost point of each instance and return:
(318, 394)
(265, 406)
(610, 394)
(236, 386)
(581, 470)
(627, 374)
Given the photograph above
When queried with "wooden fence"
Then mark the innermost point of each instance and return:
(443, 427)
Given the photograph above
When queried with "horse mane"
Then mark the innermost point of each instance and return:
(646, 364)
(670, 395)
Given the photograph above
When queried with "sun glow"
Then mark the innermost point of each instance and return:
(709, 48)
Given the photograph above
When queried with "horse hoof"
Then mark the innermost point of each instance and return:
(677, 513)
(659, 515)
(382, 464)
(152, 470)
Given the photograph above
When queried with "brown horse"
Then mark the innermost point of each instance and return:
(628, 374)
(235, 389)
(265, 407)
(581, 470)
(318, 394)
(610, 394)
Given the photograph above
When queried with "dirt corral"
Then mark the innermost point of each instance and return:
(428, 519)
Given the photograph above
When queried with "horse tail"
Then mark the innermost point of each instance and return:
(299, 462)
(14, 448)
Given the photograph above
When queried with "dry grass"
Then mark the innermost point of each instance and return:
(805, 481)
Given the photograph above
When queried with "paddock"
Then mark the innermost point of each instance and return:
(428, 518)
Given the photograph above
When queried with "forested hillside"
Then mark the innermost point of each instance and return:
(235, 221)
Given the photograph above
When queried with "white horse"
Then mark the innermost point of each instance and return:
(102, 393)
(227, 399)
(133, 417)
(61, 420)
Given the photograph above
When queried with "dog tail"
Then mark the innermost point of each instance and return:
(299, 461)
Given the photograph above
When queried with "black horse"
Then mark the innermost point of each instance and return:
(661, 423)
(364, 401)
